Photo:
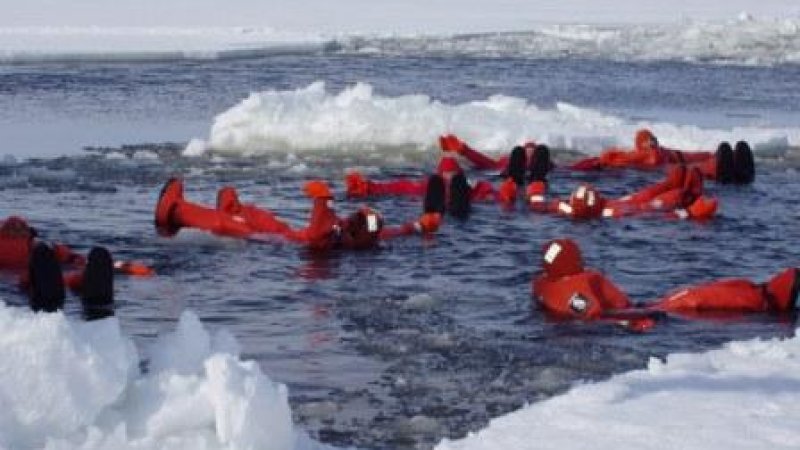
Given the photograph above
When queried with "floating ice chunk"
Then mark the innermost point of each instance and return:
(76, 385)
(57, 376)
(195, 148)
(358, 120)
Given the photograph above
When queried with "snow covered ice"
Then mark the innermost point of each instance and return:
(67, 384)
(358, 119)
(743, 396)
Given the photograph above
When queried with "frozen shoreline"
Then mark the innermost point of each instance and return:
(743, 39)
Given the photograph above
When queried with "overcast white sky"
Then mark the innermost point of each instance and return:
(375, 15)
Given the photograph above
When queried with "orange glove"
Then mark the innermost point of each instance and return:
(507, 193)
(357, 185)
(429, 223)
(133, 268)
(450, 143)
(703, 208)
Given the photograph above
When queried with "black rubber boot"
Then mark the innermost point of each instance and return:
(434, 196)
(460, 204)
(46, 280)
(743, 163)
(517, 165)
(97, 289)
(541, 163)
(725, 166)
(170, 195)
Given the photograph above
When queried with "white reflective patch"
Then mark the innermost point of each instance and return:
(657, 203)
(626, 198)
(471, 183)
(552, 253)
(682, 214)
(578, 303)
(590, 201)
(581, 192)
(565, 208)
(608, 212)
(119, 264)
(536, 198)
(239, 219)
(329, 204)
(372, 223)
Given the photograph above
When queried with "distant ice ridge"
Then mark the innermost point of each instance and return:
(358, 120)
(77, 385)
(59, 44)
(743, 396)
(744, 41)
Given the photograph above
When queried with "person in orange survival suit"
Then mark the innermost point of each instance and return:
(362, 229)
(587, 203)
(39, 268)
(646, 154)
(727, 165)
(458, 193)
(569, 291)
(325, 230)
(528, 160)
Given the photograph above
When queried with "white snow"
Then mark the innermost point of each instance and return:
(77, 385)
(357, 119)
(738, 31)
(43, 44)
(743, 41)
(743, 396)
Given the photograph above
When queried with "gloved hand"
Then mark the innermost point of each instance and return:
(428, 223)
(357, 185)
(507, 192)
(703, 208)
(451, 143)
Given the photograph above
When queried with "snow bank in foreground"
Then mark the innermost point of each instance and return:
(357, 119)
(743, 396)
(68, 385)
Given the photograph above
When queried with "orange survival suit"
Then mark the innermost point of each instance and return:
(359, 186)
(568, 290)
(325, 230)
(646, 154)
(17, 241)
(677, 197)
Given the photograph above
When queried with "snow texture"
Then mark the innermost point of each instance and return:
(77, 385)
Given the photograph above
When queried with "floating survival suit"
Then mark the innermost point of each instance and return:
(325, 230)
(569, 291)
(726, 165)
(647, 154)
(586, 203)
(528, 160)
(17, 243)
(358, 186)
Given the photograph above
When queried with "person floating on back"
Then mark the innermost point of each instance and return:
(567, 290)
(39, 267)
(727, 165)
(679, 196)
(325, 230)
